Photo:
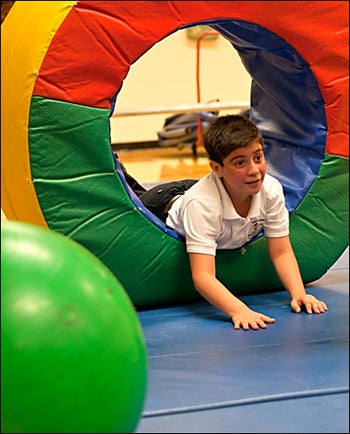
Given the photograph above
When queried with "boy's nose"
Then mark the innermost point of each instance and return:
(253, 168)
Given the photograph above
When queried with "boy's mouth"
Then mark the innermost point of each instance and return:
(256, 181)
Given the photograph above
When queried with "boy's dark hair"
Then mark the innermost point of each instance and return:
(227, 133)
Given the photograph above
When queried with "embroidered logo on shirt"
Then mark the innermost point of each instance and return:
(255, 227)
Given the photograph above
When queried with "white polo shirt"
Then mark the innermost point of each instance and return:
(206, 217)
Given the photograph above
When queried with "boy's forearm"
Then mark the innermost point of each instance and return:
(286, 265)
(217, 294)
(287, 269)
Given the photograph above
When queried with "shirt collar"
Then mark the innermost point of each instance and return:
(228, 210)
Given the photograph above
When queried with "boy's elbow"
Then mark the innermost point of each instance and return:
(201, 280)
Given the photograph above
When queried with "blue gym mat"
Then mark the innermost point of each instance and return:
(293, 377)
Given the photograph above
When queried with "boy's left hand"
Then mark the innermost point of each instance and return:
(311, 304)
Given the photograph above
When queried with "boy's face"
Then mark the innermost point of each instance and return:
(243, 170)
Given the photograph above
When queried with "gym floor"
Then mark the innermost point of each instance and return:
(156, 165)
(293, 377)
(206, 377)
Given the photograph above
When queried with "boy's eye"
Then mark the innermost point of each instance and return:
(239, 163)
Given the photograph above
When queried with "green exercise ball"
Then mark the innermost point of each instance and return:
(73, 353)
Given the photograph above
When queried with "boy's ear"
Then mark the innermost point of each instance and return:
(216, 167)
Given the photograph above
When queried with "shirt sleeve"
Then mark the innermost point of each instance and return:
(277, 216)
(201, 222)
